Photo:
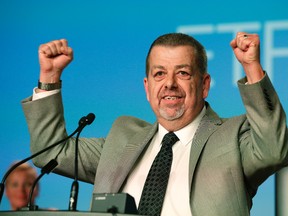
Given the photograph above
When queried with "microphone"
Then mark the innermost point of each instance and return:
(45, 170)
(86, 120)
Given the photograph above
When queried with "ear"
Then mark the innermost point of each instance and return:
(206, 85)
(146, 85)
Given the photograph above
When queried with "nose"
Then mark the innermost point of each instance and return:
(171, 81)
(23, 189)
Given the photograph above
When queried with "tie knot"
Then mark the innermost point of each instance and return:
(170, 139)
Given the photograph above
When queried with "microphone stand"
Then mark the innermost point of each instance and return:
(45, 170)
(75, 185)
(82, 123)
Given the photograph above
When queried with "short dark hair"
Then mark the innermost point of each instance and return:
(180, 39)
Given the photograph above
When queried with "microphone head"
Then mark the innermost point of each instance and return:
(87, 120)
(90, 118)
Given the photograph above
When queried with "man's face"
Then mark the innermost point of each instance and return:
(174, 89)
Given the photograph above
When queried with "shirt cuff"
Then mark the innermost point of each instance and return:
(39, 95)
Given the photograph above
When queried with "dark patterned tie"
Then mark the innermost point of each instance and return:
(156, 183)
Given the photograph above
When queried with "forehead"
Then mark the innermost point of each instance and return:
(20, 175)
(172, 53)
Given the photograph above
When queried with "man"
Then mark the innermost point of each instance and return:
(18, 186)
(218, 163)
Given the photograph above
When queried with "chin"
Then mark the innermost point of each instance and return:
(171, 117)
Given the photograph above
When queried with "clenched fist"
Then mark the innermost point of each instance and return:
(54, 56)
(246, 48)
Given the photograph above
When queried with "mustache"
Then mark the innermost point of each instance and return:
(171, 93)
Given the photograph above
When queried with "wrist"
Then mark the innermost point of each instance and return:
(53, 76)
(49, 86)
(254, 73)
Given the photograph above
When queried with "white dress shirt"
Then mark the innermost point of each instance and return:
(177, 198)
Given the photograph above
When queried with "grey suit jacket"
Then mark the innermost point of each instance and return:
(229, 158)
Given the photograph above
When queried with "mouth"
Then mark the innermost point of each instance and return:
(172, 100)
(171, 97)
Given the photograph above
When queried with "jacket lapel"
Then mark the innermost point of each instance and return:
(131, 153)
(207, 127)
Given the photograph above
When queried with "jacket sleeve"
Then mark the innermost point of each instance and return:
(264, 143)
(46, 125)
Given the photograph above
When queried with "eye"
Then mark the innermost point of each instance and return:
(159, 75)
(184, 75)
(28, 184)
(14, 185)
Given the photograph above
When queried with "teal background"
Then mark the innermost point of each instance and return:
(110, 41)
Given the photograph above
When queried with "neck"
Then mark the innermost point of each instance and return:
(175, 125)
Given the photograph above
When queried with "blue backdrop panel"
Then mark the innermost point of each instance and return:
(110, 41)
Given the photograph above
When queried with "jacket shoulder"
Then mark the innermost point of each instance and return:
(131, 123)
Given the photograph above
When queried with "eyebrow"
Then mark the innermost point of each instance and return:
(157, 67)
(183, 66)
(176, 67)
